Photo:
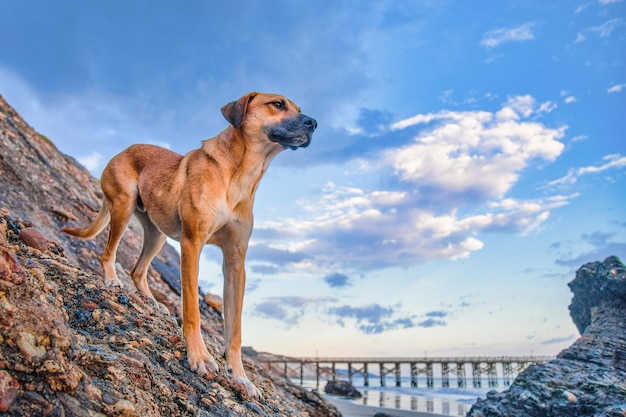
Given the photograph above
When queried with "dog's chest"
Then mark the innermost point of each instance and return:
(243, 187)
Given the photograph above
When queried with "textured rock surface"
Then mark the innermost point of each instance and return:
(70, 346)
(588, 378)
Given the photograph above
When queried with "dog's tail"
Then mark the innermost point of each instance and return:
(94, 229)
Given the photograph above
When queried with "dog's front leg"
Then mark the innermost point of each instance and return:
(200, 360)
(234, 286)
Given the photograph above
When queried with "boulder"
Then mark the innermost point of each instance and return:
(342, 388)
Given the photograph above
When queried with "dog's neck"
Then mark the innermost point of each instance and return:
(249, 160)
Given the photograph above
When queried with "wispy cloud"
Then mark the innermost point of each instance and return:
(287, 309)
(582, 7)
(586, 5)
(497, 37)
(617, 88)
(431, 322)
(556, 340)
(567, 97)
(603, 245)
(434, 319)
(607, 28)
(614, 161)
(371, 319)
(437, 313)
(337, 280)
(604, 30)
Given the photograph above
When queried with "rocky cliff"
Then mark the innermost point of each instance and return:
(70, 346)
(588, 378)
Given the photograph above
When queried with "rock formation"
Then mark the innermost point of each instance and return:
(342, 388)
(588, 378)
(69, 346)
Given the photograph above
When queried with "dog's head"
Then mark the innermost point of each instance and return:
(271, 116)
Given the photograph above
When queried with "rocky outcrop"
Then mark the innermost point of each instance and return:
(588, 378)
(69, 346)
(342, 388)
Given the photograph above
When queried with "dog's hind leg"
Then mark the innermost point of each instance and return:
(153, 241)
(121, 209)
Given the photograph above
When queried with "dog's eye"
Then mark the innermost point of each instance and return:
(278, 104)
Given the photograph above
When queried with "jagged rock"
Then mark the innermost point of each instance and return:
(71, 346)
(343, 388)
(589, 377)
(596, 283)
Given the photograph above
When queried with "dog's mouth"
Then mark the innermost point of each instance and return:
(293, 133)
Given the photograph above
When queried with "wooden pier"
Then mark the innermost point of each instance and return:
(495, 368)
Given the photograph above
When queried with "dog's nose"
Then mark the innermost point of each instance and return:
(309, 122)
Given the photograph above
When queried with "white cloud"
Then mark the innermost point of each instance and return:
(614, 161)
(546, 107)
(617, 88)
(524, 105)
(92, 162)
(496, 37)
(451, 186)
(603, 31)
(476, 152)
(347, 228)
(473, 97)
(607, 27)
(570, 99)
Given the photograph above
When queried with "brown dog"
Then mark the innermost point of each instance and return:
(203, 197)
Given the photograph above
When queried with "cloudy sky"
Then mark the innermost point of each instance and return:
(469, 157)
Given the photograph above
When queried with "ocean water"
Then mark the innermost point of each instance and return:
(450, 401)
(446, 401)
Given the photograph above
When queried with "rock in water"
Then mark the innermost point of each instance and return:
(343, 388)
(588, 378)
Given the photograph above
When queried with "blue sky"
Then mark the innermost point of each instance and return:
(469, 157)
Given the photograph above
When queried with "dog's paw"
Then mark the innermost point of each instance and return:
(249, 388)
(205, 366)
(113, 282)
(159, 307)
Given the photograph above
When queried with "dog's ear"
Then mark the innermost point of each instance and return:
(235, 111)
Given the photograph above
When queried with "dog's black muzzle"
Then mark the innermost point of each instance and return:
(293, 133)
